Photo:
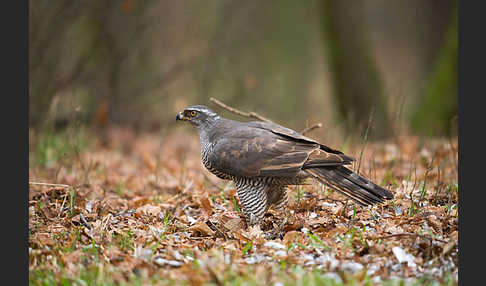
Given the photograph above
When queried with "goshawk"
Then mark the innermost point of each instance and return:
(263, 158)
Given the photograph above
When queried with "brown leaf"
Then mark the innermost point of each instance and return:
(138, 201)
(149, 210)
(76, 219)
(34, 194)
(308, 203)
(337, 209)
(234, 224)
(73, 257)
(434, 223)
(450, 245)
(242, 237)
(45, 239)
(202, 228)
(49, 213)
(292, 237)
(206, 206)
(335, 231)
(255, 234)
(318, 221)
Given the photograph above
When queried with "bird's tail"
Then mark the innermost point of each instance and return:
(350, 184)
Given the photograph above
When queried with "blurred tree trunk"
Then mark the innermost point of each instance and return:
(358, 90)
(439, 102)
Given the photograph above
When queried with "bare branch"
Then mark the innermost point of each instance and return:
(257, 116)
(370, 121)
(84, 221)
(310, 128)
(253, 115)
(411, 234)
(50, 185)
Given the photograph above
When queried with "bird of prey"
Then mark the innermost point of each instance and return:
(263, 158)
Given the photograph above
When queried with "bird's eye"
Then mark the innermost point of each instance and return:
(193, 113)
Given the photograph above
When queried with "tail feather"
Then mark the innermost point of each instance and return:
(350, 184)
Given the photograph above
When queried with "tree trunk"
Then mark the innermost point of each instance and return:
(358, 90)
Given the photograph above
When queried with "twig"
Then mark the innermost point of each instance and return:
(414, 183)
(157, 237)
(438, 181)
(62, 205)
(330, 199)
(188, 186)
(454, 151)
(310, 128)
(410, 234)
(242, 113)
(104, 224)
(84, 221)
(51, 185)
(222, 233)
(257, 116)
(424, 190)
(370, 121)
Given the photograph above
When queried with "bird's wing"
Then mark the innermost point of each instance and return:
(326, 155)
(280, 130)
(250, 152)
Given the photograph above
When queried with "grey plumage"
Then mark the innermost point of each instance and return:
(264, 158)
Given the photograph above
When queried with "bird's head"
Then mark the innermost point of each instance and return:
(198, 115)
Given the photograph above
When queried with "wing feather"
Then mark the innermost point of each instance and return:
(267, 149)
(251, 152)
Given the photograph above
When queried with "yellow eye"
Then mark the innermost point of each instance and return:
(193, 113)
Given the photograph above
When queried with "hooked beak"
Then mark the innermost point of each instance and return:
(180, 116)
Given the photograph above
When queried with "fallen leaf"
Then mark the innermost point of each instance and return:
(45, 239)
(206, 206)
(73, 257)
(450, 245)
(234, 224)
(148, 210)
(49, 212)
(202, 228)
(293, 237)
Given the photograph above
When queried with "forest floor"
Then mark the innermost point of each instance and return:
(132, 209)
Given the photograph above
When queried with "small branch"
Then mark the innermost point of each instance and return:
(50, 185)
(454, 154)
(257, 116)
(253, 115)
(157, 237)
(410, 234)
(214, 276)
(104, 224)
(62, 205)
(370, 121)
(310, 128)
(84, 221)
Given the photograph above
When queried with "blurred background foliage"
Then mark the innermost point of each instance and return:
(137, 63)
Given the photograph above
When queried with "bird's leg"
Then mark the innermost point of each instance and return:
(278, 198)
(281, 207)
(282, 199)
(253, 199)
